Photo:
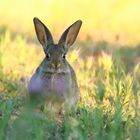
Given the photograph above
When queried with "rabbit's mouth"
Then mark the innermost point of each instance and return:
(54, 71)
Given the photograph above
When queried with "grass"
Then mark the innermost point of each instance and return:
(108, 109)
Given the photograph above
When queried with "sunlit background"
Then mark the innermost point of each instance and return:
(110, 20)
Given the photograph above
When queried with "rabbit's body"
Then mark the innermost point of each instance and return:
(55, 79)
(56, 84)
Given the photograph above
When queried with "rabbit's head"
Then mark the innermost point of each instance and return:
(55, 60)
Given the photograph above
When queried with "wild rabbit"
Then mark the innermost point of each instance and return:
(55, 80)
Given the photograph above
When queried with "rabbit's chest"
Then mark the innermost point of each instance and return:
(58, 84)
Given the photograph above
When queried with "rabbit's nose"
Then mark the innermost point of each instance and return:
(56, 65)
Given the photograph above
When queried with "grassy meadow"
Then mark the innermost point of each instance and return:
(105, 57)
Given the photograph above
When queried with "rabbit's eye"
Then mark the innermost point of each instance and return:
(64, 56)
(48, 55)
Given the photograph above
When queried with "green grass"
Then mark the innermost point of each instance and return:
(109, 107)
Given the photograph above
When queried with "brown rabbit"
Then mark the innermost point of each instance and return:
(55, 80)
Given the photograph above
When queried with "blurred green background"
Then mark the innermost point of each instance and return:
(109, 81)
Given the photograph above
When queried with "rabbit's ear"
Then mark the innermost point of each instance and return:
(43, 34)
(70, 34)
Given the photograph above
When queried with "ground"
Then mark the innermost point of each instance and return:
(109, 81)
